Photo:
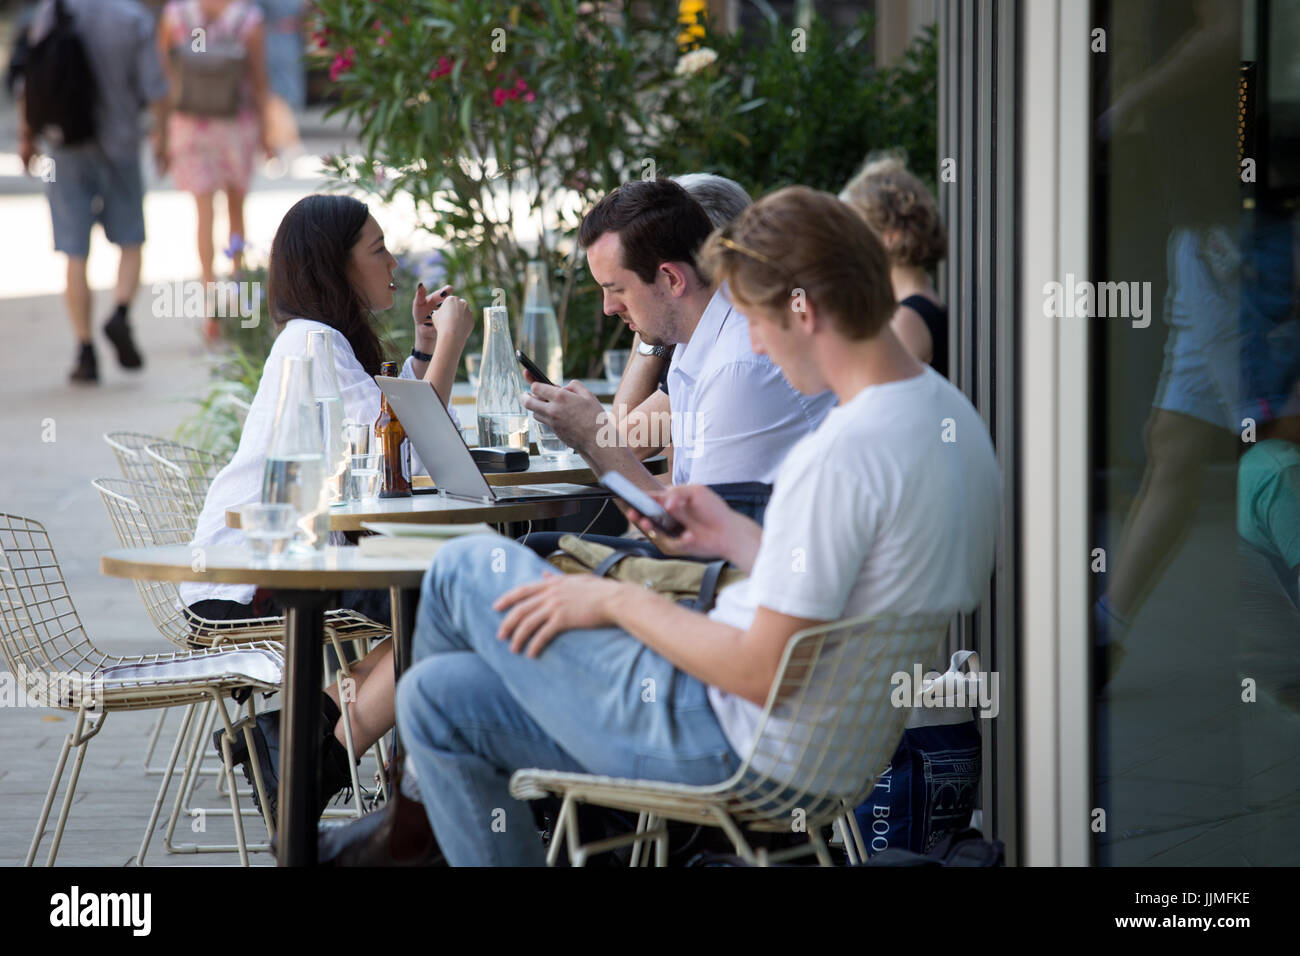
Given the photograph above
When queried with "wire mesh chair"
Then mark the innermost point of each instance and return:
(826, 734)
(144, 515)
(46, 647)
(187, 472)
(129, 449)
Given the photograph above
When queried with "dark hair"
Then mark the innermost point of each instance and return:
(801, 241)
(656, 220)
(307, 278)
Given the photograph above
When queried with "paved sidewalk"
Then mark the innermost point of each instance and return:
(51, 433)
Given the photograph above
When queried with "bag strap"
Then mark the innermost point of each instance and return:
(709, 585)
(608, 563)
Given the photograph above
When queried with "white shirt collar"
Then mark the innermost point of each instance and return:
(689, 356)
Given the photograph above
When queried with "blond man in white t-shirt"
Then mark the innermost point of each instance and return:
(886, 512)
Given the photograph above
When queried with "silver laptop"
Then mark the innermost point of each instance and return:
(440, 446)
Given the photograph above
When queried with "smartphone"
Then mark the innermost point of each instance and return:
(531, 367)
(642, 502)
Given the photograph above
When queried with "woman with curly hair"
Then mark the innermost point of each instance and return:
(905, 217)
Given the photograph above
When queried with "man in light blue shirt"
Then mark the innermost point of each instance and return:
(734, 416)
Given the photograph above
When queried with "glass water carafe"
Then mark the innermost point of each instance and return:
(329, 411)
(502, 418)
(295, 460)
(540, 341)
(540, 333)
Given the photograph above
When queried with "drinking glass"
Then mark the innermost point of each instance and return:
(615, 364)
(356, 436)
(268, 528)
(473, 362)
(550, 444)
(365, 477)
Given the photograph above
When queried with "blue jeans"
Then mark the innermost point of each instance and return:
(595, 701)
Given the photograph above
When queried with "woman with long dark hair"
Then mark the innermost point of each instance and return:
(329, 270)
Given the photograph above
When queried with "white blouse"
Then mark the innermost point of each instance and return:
(240, 482)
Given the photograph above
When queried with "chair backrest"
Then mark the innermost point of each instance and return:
(185, 470)
(144, 515)
(830, 726)
(129, 447)
(40, 632)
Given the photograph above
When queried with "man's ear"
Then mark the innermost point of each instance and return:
(679, 278)
(804, 315)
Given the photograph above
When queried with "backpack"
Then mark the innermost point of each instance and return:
(211, 77)
(60, 87)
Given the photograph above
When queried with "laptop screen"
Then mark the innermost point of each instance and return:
(435, 437)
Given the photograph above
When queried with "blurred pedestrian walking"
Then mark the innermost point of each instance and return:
(214, 57)
(89, 69)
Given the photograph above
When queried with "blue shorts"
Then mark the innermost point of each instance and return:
(89, 186)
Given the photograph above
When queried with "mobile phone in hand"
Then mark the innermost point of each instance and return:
(643, 503)
(531, 368)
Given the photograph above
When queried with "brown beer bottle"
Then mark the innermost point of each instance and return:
(390, 436)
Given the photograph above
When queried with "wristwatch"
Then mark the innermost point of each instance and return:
(659, 351)
(420, 356)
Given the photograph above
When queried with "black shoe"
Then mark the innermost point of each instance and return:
(239, 749)
(332, 763)
(87, 368)
(332, 767)
(119, 333)
(266, 742)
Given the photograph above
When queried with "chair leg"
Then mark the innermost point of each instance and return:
(154, 734)
(819, 847)
(228, 765)
(661, 843)
(259, 782)
(641, 823)
(347, 739)
(743, 849)
(187, 780)
(166, 782)
(81, 742)
(49, 797)
(557, 836)
(381, 758)
(852, 820)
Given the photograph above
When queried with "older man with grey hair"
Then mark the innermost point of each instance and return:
(640, 405)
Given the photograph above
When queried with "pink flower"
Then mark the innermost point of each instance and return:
(342, 63)
(499, 96)
(382, 41)
(521, 86)
(442, 69)
(377, 25)
(529, 96)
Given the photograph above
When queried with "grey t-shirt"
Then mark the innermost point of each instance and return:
(119, 39)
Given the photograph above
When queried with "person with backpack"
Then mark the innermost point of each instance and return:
(89, 67)
(214, 56)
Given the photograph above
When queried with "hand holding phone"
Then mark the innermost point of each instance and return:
(531, 368)
(643, 503)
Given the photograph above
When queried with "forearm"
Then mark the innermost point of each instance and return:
(440, 371)
(640, 381)
(710, 651)
(160, 109)
(743, 539)
(605, 458)
(647, 428)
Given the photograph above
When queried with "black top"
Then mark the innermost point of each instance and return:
(936, 320)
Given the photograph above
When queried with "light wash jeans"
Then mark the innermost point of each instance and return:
(470, 712)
